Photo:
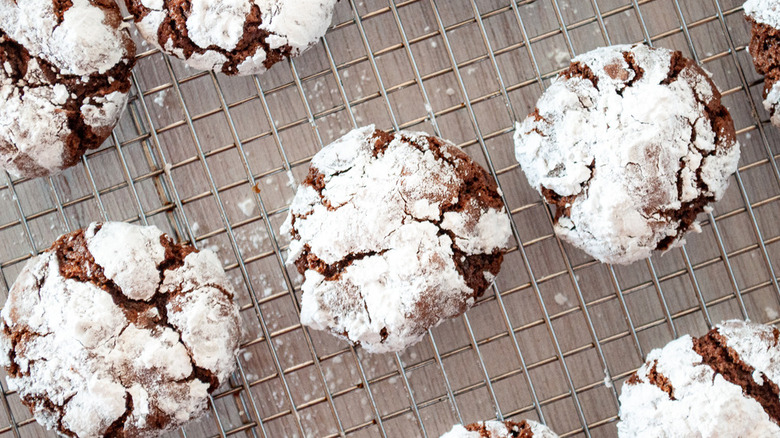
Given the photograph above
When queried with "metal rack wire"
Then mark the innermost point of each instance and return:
(214, 161)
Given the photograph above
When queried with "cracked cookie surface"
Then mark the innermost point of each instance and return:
(117, 331)
(723, 384)
(64, 81)
(629, 144)
(764, 16)
(394, 233)
(235, 37)
(501, 429)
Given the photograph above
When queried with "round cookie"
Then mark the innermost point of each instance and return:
(64, 81)
(394, 233)
(723, 384)
(764, 15)
(117, 331)
(235, 37)
(630, 144)
(498, 429)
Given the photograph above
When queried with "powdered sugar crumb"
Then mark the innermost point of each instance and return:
(159, 98)
(247, 206)
(560, 299)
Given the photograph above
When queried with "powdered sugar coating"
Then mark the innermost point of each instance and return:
(384, 220)
(87, 42)
(613, 148)
(764, 16)
(129, 256)
(755, 345)
(83, 43)
(764, 11)
(198, 316)
(772, 103)
(73, 344)
(217, 28)
(704, 403)
(498, 429)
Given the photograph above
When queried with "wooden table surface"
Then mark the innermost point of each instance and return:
(557, 335)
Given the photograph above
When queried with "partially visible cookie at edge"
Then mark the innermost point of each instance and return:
(499, 429)
(235, 37)
(630, 144)
(118, 331)
(722, 384)
(394, 233)
(64, 81)
(764, 15)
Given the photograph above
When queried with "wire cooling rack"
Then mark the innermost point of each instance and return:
(215, 161)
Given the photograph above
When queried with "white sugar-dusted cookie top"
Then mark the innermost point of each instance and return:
(498, 429)
(298, 23)
(624, 143)
(764, 11)
(390, 222)
(83, 348)
(698, 401)
(83, 42)
(129, 255)
(218, 26)
(204, 319)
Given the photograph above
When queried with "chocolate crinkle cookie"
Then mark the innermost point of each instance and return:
(723, 384)
(64, 81)
(764, 15)
(499, 429)
(630, 144)
(117, 331)
(235, 37)
(394, 233)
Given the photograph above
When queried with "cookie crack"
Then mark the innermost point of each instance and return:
(722, 126)
(332, 272)
(58, 409)
(563, 204)
(581, 70)
(471, 267)
(676, 65)
(435, 146)
(726, 362)
(515, 429)
(60, 7)
(634, 66)
(116, 428)
(654, 377)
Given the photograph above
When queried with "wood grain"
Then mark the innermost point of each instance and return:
(192, 146)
